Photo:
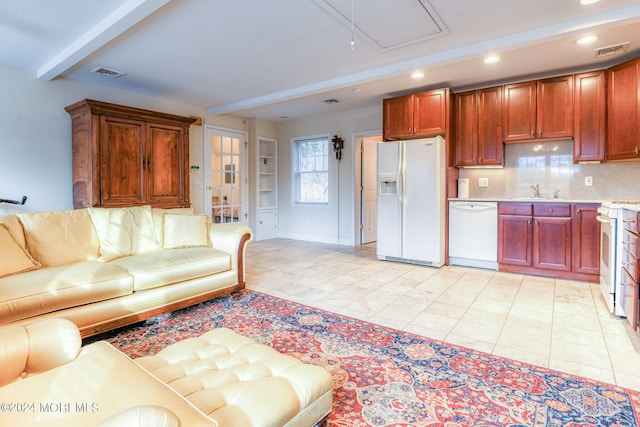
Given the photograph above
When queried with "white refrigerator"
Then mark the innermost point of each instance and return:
(411, 201)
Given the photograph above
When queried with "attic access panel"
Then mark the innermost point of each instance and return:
(388, 24)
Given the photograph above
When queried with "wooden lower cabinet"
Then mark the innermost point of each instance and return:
(586, 238)
(549, 239)
(514, 239)
(552, 246)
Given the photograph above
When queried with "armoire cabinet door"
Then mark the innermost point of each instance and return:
(165, 164)
(122, 156)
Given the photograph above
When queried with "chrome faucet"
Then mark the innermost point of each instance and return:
(536, 190)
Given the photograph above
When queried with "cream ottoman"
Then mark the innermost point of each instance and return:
(238, 382)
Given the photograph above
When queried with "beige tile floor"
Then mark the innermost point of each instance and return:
(558, 324)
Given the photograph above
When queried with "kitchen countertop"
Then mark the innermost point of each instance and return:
(529, 200)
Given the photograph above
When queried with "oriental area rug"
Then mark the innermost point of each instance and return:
(385, 377)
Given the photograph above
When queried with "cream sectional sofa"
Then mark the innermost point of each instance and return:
(104, 268)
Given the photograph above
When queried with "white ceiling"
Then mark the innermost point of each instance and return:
(275, 58)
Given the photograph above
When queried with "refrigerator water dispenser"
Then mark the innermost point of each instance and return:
(388, 184)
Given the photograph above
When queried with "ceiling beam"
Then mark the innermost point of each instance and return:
(120, 20)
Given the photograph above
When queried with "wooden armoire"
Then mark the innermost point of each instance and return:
(125, 156)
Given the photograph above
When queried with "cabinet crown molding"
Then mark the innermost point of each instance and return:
(90, 106)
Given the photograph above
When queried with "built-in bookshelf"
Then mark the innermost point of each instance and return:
(267, 188)
(267, 173)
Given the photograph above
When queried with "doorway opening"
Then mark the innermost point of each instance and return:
(365, 170)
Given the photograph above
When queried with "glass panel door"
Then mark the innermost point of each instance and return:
(225, 174)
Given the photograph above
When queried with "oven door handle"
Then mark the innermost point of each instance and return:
(603, 219)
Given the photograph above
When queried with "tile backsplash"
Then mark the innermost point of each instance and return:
(550, 166)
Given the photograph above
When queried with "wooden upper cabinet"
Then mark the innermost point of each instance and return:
(519, 111)
(478, 124)
(418, 115)
(538, 109)
(466, 128)
(397, 122)
(555, 107)
(590, 102)
(490, 146)
(622, 107)
(430, 112)
(124, 156)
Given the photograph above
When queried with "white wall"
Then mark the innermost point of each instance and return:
(335, 222)
(35, 136)
(35, 150)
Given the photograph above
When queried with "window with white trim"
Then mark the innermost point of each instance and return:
(311, 170)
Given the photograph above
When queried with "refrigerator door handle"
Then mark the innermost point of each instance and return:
(400, 176)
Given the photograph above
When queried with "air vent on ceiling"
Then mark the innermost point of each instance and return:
(108, 72)
(611, 50)
(331, 101)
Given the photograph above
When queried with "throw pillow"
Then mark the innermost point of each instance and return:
(124, 231)
(13, 224)
(112, 226)
(182, 231)
(13, 258)
(60, 237)
(143, 234)
(158, 219)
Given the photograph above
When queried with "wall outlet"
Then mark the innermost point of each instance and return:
(588, 181)
(483, 182)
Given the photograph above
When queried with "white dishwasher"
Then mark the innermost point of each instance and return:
(473, 234)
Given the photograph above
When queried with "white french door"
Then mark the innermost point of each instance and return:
(226, 176)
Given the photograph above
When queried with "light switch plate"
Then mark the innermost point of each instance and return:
(483, 182)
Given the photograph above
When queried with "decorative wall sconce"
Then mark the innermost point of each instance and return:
(338, 145)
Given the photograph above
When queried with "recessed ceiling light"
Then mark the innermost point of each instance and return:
(417, 75)
(356, 89)
(491, 59)
(586, 2)
(587, 39)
